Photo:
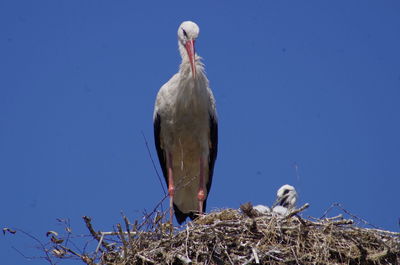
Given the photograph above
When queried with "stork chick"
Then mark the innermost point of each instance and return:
(286, 200)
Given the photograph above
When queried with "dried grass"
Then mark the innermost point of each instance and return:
(241, 237)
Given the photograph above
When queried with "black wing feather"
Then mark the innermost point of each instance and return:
(160, 151)
(212, 154)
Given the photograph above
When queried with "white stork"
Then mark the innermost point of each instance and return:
(262, 209)
(186, 130)
(286, 199)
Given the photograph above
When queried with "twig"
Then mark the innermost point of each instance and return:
(144, 258)
(255, 255)
(66, 222)
(327, 211)
(212, 253)
(379, 255)
(84, 258)
(187, 240)
(301, 220)
(295, 256)
(229, 257)
(128, 230)
(339, 216)
(269, 254)
(379, 231)
(296, 211)
(343, 222)
(42, 247)
(127, 223)
(338, 205)
(249, 261)
(113, 233)
(23, 255)
(99, 244)
(339, 222)
(185, 260)
(124, 244)
(147, 216)
(95, 234)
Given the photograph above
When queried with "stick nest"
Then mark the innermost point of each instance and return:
(241, 237)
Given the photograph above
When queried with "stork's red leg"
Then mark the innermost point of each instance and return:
(201, 195)
(171, 187)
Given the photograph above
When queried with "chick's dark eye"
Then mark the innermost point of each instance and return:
(184, 33)
(285, 192)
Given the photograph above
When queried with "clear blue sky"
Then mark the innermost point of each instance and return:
(314, 84)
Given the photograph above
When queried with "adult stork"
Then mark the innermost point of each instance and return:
(186, 130)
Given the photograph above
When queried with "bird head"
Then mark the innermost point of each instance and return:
(187, 34)
(286, 196)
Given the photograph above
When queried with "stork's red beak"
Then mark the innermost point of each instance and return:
(189, 45)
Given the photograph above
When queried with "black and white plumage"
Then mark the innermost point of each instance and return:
(286, 198)
(186, 130)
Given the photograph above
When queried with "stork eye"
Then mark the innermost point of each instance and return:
(285, 192)
(184, 33)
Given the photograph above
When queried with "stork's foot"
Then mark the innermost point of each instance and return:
(200, 214)
(195, 215)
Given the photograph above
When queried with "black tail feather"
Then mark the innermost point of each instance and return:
(181, 217)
